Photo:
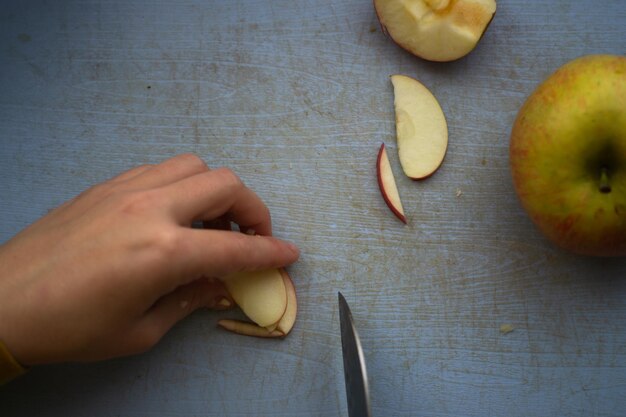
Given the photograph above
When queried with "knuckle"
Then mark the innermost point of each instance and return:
(167, 242)
(241, 247)
(131, 173)
(163, 241)
(98, 191)
(228, 177)
(241, 253)
(192, 160)
(135, 202)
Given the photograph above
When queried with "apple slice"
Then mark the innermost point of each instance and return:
(436, 30)
(288, 319)
(421, 128)
(260, 294)
(281, 327)
(387, 184)
(248, 329)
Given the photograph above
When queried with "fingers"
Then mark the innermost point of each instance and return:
(170, 309)
(220, 253)
(215, 193)
(169, 171)
(214, 253)
(141, 177)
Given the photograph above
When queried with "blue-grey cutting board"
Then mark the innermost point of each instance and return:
(295, 97)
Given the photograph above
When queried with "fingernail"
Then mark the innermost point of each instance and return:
(224, 302)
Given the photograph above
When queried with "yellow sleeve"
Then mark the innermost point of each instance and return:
(9, 367)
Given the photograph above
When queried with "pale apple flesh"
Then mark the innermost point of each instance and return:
(261, 295)
(568, 156)
(421, 128)
(436, 30)
(387, 184)
(279, 328)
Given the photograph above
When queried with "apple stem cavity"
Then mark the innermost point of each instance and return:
(605, 187)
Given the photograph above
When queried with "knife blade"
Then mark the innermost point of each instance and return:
(355, 373)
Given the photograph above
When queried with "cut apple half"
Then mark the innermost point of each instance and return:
(436, 30)
(282, 325)
(387, 184)
(421, 128)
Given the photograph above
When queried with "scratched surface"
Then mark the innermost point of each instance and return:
(295, 97)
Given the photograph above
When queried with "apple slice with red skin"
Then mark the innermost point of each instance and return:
(281, 327)
(387, 184)
(246, 328)
(421, 128)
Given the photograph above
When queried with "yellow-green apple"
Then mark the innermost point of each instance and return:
(436, 30)
(421, 128)
(268, 298)
(387, 184)
(568, 156)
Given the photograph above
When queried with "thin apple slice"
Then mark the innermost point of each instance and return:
(248, 329)
(261, 295)
(272, 327)
(387, 184)
(288, 319)
(279, 328)
(436, 30)
(421, 128)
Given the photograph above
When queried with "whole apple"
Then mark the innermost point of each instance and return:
(568, 156)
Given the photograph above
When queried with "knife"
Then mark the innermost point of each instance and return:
(357, 387)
